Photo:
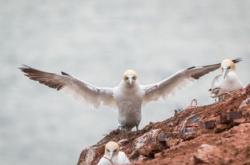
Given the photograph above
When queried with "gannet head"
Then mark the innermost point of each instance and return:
(111, 149)
(226, 66)
(130, 77)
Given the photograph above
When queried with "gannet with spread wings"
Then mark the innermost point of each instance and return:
(128, 96)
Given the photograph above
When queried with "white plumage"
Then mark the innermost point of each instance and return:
(128, 96)
(113, 155)
(227, 81)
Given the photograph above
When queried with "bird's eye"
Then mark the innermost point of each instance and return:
(108, 150)
(229, 67)
(126, 78)
(134, 78)
(115, 150)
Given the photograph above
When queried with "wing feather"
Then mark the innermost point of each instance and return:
(177, 80)
(95, 96)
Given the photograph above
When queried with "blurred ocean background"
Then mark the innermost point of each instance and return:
(96, 41)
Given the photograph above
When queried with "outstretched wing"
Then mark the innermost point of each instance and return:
(177, 80)
(94, 95)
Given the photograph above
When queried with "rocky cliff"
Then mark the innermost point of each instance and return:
(212, 134)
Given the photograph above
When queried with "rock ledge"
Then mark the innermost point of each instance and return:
(212, 134)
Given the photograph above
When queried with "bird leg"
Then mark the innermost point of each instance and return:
(220, 98)
(123, 128)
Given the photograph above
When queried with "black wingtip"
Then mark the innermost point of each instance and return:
(65, 74)
(192, 67)
(237, 60)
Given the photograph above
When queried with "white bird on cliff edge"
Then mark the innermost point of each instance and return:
(113, 155)
(227, 81)
(128, 96)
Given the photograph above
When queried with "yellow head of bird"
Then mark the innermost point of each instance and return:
(228, 63)
(111, 149)
(226, 66)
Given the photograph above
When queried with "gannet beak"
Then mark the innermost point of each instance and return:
(130, 81)
(111, 154)
(225, 72)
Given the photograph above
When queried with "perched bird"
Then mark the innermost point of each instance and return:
(226, 81)
(113, 155)
(128, 96)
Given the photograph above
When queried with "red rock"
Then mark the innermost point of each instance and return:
(221, 130)
(172, 142)
(208, 154)
(210, 124)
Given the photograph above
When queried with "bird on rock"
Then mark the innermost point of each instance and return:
(113, 155)
(227, 80)
(128, 96)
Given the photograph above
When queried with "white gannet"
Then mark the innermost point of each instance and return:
(113, 155)
(226, 81)
(128, 96)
